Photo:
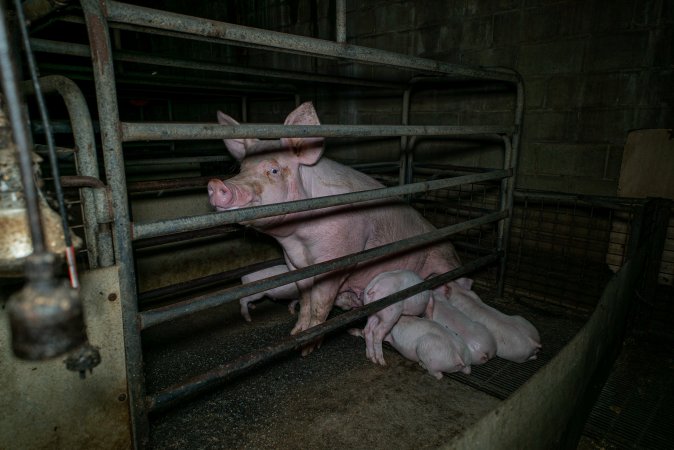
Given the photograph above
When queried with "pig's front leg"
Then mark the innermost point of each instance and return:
(304, 316)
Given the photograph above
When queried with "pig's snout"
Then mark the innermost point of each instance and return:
(218, 194)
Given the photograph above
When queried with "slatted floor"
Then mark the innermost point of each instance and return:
(636, 406)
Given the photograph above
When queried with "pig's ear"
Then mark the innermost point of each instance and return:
(308, 149)
(236, 147)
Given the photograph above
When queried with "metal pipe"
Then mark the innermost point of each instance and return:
(81, 181)
(158, 228)
(230, 33)
(37, 9)
(174, 311)
(133, 131)
(67, 48)
(340, 21)
(231, 369)
(10, 86)
(506, 203)
(163, 185)
(512, 164)
(85, 154)
(108, 113)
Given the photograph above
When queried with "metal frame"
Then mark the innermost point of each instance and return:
(98, 17)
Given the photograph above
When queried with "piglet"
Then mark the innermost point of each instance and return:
(516, 338)
(380, 323)
(477, 337)
(435, 348)
(285, 292)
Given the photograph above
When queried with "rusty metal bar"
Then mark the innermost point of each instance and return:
(133, 131)
(108, 113)
(99, 249)
(163, 185)
(67, 48)
(227, 371)
(340, 21)
(164, 314)
(241, 35)
(158, 228)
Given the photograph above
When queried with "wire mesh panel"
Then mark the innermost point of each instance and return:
(562, 248)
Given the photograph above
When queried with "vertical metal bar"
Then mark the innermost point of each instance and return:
(106, 97)
(10, 86)
(405, 156)
(511, 160)
(506, 203)
(340, 21)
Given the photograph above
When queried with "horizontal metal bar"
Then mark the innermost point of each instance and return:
(231, 369)
(283, 42)
(617, 203)
(133, 131)
(174, 311)
(146, 230)
(67, 48)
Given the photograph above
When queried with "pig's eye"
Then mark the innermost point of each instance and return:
(274, 171)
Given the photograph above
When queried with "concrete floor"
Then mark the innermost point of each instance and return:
(334, 398)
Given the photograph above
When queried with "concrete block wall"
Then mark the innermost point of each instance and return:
(593, 69)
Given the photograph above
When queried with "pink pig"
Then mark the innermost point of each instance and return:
(380, 323)
(293, 169)
(432, 345)
(516, 338)
(477, 337)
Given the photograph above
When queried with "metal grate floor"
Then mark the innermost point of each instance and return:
(635, 408)
(500, 377)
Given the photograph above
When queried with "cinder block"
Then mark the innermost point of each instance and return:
(543, 182)
(485, 7)
(491, 57)
(527, 159)
(611, 89)
(435, 40)
(592, 186)
(507, 28)
(394, 17)
(549, 126)
(553, 57)
(437, 12)
(534, 92)
(616, 51)
(476, 33)
(563, 92)
(556, 159)
(545, 22)
(605, 125)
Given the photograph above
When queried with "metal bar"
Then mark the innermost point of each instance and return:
(67, 48)
(108, 114)
(340, 21)
(10, 86)
(163, 185)
(158, 228)
(613, 203)
(81, 181)
(171, 312)
(230, 33)
(85, 155)
(507, 195)
(511, 161)
(227, 371)
(133, 131)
